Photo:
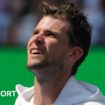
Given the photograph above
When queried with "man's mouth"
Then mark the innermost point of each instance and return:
(35, 51)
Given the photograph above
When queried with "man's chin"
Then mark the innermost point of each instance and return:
(37, 66)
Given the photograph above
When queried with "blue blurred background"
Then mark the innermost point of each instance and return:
(19, 17)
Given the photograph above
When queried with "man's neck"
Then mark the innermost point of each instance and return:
(48, 89)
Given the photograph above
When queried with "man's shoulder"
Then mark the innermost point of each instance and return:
(92, 103)
(80, 93)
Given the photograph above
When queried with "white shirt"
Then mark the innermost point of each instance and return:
(73, 93)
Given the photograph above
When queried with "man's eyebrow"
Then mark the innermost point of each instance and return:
(46, 31)
(51, 31)
(35, 30)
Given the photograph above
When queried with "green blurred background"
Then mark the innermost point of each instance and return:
(13, 70)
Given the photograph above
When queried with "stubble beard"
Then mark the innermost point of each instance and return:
(45, 70)
(37, 66)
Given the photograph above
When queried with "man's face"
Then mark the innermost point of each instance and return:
(49, 44)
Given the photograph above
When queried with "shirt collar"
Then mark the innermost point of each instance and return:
(72, 93)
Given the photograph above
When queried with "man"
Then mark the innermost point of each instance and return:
(59, 44)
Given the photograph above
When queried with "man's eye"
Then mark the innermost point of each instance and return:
(51, 34)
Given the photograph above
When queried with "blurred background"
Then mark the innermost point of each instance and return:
(17, 21)
(19, 17)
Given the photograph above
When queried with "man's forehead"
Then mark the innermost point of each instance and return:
(49, 22)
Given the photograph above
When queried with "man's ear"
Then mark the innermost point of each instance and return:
(75, 54)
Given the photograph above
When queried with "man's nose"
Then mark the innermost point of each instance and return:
(39, 41)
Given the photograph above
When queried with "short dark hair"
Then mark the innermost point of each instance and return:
(80, 32)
